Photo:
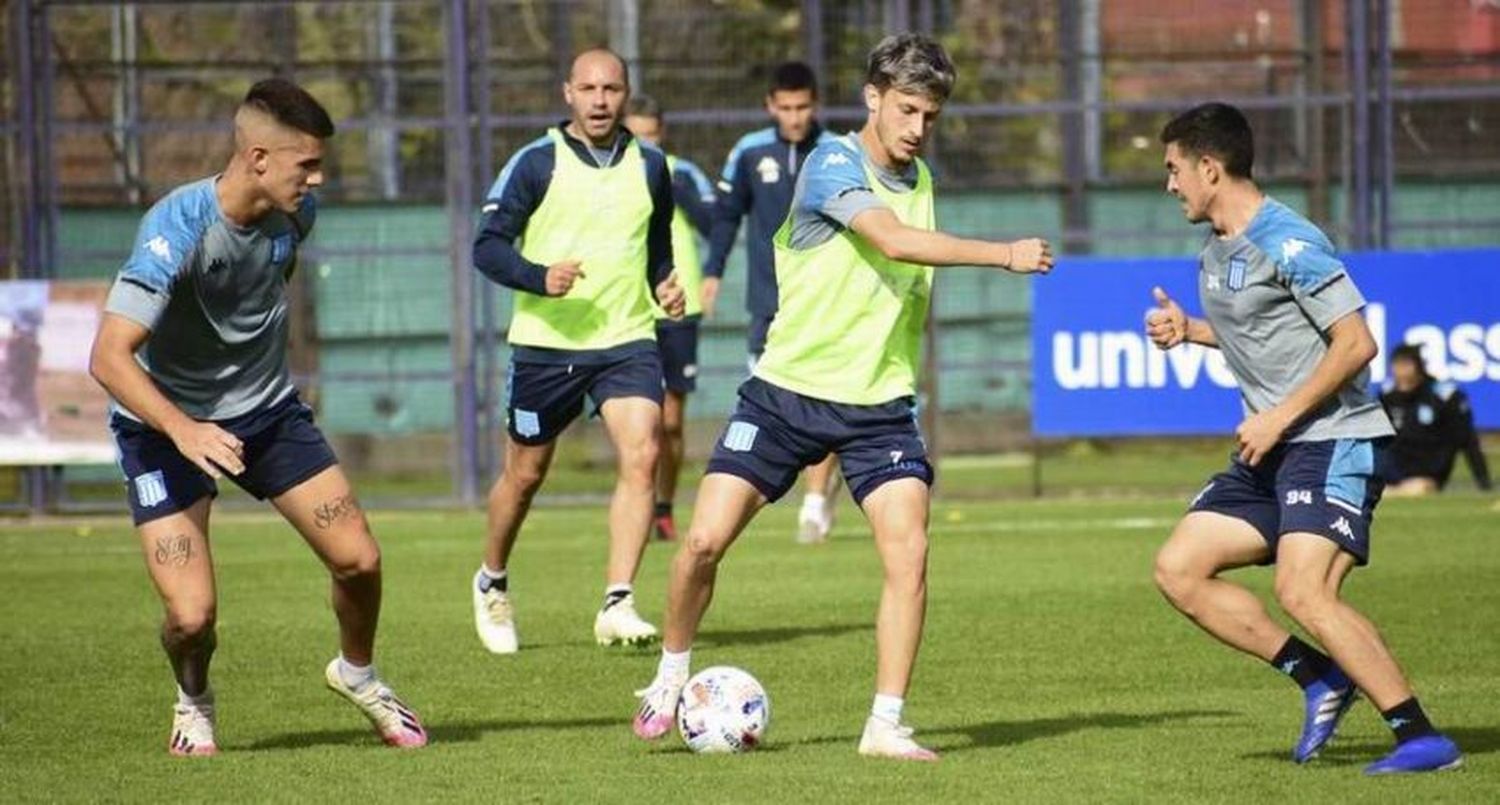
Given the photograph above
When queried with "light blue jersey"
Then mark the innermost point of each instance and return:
(213, 294)
(1270, 295)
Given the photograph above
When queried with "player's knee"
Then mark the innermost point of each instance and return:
(1302, 598)
(639, 457)
(357, 566)
(186, 623)
(703, 549)
(521, 479)
(906, 561)
(1174, 577)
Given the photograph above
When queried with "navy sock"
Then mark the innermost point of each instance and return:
(664, 508)
(1408, 721)
(487, 582)
(1301, 662)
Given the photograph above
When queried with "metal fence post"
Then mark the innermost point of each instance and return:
(1358, 45)
(1077, 237)
(1385, 110)
(459, 167)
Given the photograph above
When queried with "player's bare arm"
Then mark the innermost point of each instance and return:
(112, 363)
(1350, 349)
(909, 244)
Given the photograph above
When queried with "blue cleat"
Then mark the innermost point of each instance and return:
(1326, 702)
(1427, 753)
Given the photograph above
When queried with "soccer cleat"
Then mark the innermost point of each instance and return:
(1427, 753)
(886, 739)
(618, 624)
(1326, 701)
(813, 524)
(397, 724)
(658, 709)
(193, 731)
(495, 620)
(666, 528)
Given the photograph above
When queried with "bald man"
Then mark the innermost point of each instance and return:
(192, 350)
(579, 224)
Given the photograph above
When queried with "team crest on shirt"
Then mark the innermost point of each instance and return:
(769, 170)
(1426, 415)
(281, 248)
(1237, 269)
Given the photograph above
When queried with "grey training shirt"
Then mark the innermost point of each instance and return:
(213, 294)
(1270, 295)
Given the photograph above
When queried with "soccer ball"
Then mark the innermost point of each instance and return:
(723, 710)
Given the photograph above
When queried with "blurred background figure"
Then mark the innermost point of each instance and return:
(1433, 424)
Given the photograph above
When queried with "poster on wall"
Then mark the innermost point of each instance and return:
(51, 410)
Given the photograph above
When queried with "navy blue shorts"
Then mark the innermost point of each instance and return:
(1328, 488)
(774, 433)
(542, 399)
(756, 338)
(678, 342)
(283, 448)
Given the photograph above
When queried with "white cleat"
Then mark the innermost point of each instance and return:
(397, 725)
(658, 709)
(813, 525)
(620, 625)
(495, 620)
(193, 731)
(886, 739)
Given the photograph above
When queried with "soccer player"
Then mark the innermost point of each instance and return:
(758, 181)
(677, 339)
(1433, 423)
(1301, 489)
(854, 267)
(579, 225)
(192, 349)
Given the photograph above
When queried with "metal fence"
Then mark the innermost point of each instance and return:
(1381, 118)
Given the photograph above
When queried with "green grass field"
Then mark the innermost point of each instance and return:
(1051, 668)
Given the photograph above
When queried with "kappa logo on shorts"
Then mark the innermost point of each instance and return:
(690, 370)
(740, 437)
(1341, 525)
(528, 423)
(150, 489)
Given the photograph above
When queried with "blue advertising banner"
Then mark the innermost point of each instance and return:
(1096, 374)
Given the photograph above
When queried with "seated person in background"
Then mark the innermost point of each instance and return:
(1433, 422)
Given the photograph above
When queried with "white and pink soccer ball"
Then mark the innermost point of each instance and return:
(723, 710)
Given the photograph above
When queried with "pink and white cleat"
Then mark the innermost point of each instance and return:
(193, 731)
(397, 724)
(658, 710)
(890, 740)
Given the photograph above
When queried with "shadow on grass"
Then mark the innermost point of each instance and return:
(1010, 733)
(779, 634)
(441, 733)
(1470, 740)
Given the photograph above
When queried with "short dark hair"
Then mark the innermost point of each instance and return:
(1217, 130)
(290, 105)
(793, 76)
(1410, 352)
(911, 63)
(643, 105)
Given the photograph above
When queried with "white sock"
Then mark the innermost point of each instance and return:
(887, 708)
(204, 699)
(487, 578)
(674, 665)
(492, 575)
(355, 676)
(813, 503)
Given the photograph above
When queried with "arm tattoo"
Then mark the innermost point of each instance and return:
(174, 549)
(334, 510)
